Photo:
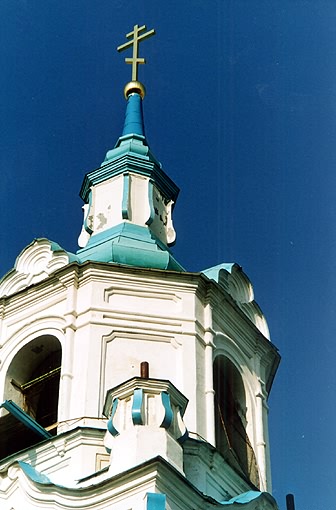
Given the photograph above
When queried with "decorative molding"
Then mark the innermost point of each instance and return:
(110, 426)
(236, 283)
(148, 292)
(137, 406)
(168, 416)
(34, 264)
(126, 197)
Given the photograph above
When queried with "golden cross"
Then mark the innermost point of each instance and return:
(135, 60)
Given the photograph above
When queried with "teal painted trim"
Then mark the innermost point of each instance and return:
(137, 406)
(213, 272)
(244, 498)
(33, 474)
(127, 230)
(125, 197)
(150, 201)
(168, 417)
(86, 226)
(126, 159)
(185, 434)
(134, 116)
(155, 501)
(110, 426)
(182, 438)
(37, 477)
(24, 418)
(72, 257)
(55, 247)
(131, 140)
(135, 145)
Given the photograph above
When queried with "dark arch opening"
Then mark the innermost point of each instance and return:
(230, 419)
(32, 379)
(41, 391)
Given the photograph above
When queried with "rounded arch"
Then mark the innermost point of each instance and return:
(231, 407)
(33, 376)
(226, 346)
(51, 325)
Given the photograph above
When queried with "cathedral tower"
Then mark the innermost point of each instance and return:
(125, 380)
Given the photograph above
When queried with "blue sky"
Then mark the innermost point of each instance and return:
(241, 111)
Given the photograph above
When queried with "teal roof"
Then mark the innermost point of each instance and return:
(213, 272)
(244, 498)
(131, 245)
(249, 497)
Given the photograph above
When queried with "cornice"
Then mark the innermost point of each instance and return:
(133, 163)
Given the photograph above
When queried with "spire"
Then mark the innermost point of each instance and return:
(129, 198)
(134, 122)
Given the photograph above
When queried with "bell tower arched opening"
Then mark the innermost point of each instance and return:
(230, 419)
(32, 380)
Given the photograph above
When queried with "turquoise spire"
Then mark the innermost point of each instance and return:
(129, 200)
(134, 122)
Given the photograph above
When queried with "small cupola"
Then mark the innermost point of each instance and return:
(129, 199)
(145, 420)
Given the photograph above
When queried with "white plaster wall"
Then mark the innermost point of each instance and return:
(106, 208)
(139, 200)
(108, 322)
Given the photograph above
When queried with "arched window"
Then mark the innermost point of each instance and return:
(32, 379)
(230, 419)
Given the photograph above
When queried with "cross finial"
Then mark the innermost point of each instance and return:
(136, 60)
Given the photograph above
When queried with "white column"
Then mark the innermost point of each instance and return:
(2, 311)
(66, 376)
(261, 424)
(64, 405)
(209, 389)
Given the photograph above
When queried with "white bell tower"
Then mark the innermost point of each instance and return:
(126, 381)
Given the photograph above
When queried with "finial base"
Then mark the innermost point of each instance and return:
(134, 87)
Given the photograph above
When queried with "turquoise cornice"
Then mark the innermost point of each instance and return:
(130, 156)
